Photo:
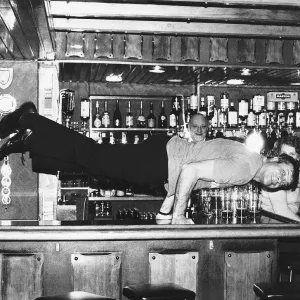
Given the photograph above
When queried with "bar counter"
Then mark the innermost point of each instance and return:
(266, 226)
(217, 261)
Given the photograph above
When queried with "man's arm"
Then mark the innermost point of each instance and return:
(188, 177)
(280, 206)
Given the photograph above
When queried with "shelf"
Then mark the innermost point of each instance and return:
(74, 188)
(133, 129)
(123, 198)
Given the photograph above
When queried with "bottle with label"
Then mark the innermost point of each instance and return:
(222, 117)
(151, 119)
(174, 114)
(297, 116)
(251, 116)
(258, 103)
(271, 113)
(117, 117)
(162, 119)
(85, 109)
(129, 117)
(141, 120)
(210, 106)
(188, 114)
(224, 101)
(243, 110)
(215, 118)
(84, 115)
(97, 118)
(290, 114)
(281, 114)
(232, 116)
(203, 107)
(105, 116)
(193, 104)
(262, 120)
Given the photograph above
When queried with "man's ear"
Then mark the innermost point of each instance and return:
(273, 159)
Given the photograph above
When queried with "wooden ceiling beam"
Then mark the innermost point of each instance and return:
(188, 13)
(271, 3)
(182, 28)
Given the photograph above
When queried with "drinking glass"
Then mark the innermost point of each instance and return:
(215, 202)
(242, 202)
(254, 203)
(206, 202)
(227, 210)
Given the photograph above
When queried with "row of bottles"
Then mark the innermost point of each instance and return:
(105, 120)
(251, 113)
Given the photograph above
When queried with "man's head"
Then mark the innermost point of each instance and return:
(289, 145)
(198, 127)
(280, 172)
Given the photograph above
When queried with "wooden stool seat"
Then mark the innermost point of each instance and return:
(157, 292)
(278, 291)
(76, 295)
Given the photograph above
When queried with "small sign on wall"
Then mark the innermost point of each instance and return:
(282, 96)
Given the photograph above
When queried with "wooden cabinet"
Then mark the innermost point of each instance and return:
(222, 269)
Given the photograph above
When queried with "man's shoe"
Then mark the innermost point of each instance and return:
(16, 144)
(10, 122)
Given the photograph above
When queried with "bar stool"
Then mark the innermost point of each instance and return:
(164, 291)
(76, 295)
(278, 291)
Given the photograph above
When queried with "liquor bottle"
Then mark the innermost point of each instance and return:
(162, 119)
(129, 117)
(84, 109)
(188, 114)
(97, 118)
(270, 113)
(224, 100)
(243, 110)
(251, 116)
(210, 106)
(297, 116)
(117, 117)
(174, 114)
(141, 120)
(84, 115)
(222, 117)
(258, 103)
(262, 120)
(151, 119)
(193, 104)
(203, 107)
(281, 114)
(215, 118)
(290, 114)
(232, 116)
(105, 116)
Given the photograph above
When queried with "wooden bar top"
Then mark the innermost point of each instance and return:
(71, 231)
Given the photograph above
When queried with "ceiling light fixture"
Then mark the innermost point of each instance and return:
(235, 81)
(157, 69)
(114, 77)
(246, 72)
(295, 83)
(175, 80)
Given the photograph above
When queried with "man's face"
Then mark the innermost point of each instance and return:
(198, 128)
(289, 150)
(277, 174)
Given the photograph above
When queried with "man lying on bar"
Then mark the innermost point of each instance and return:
(283, 202)
(186, 164)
